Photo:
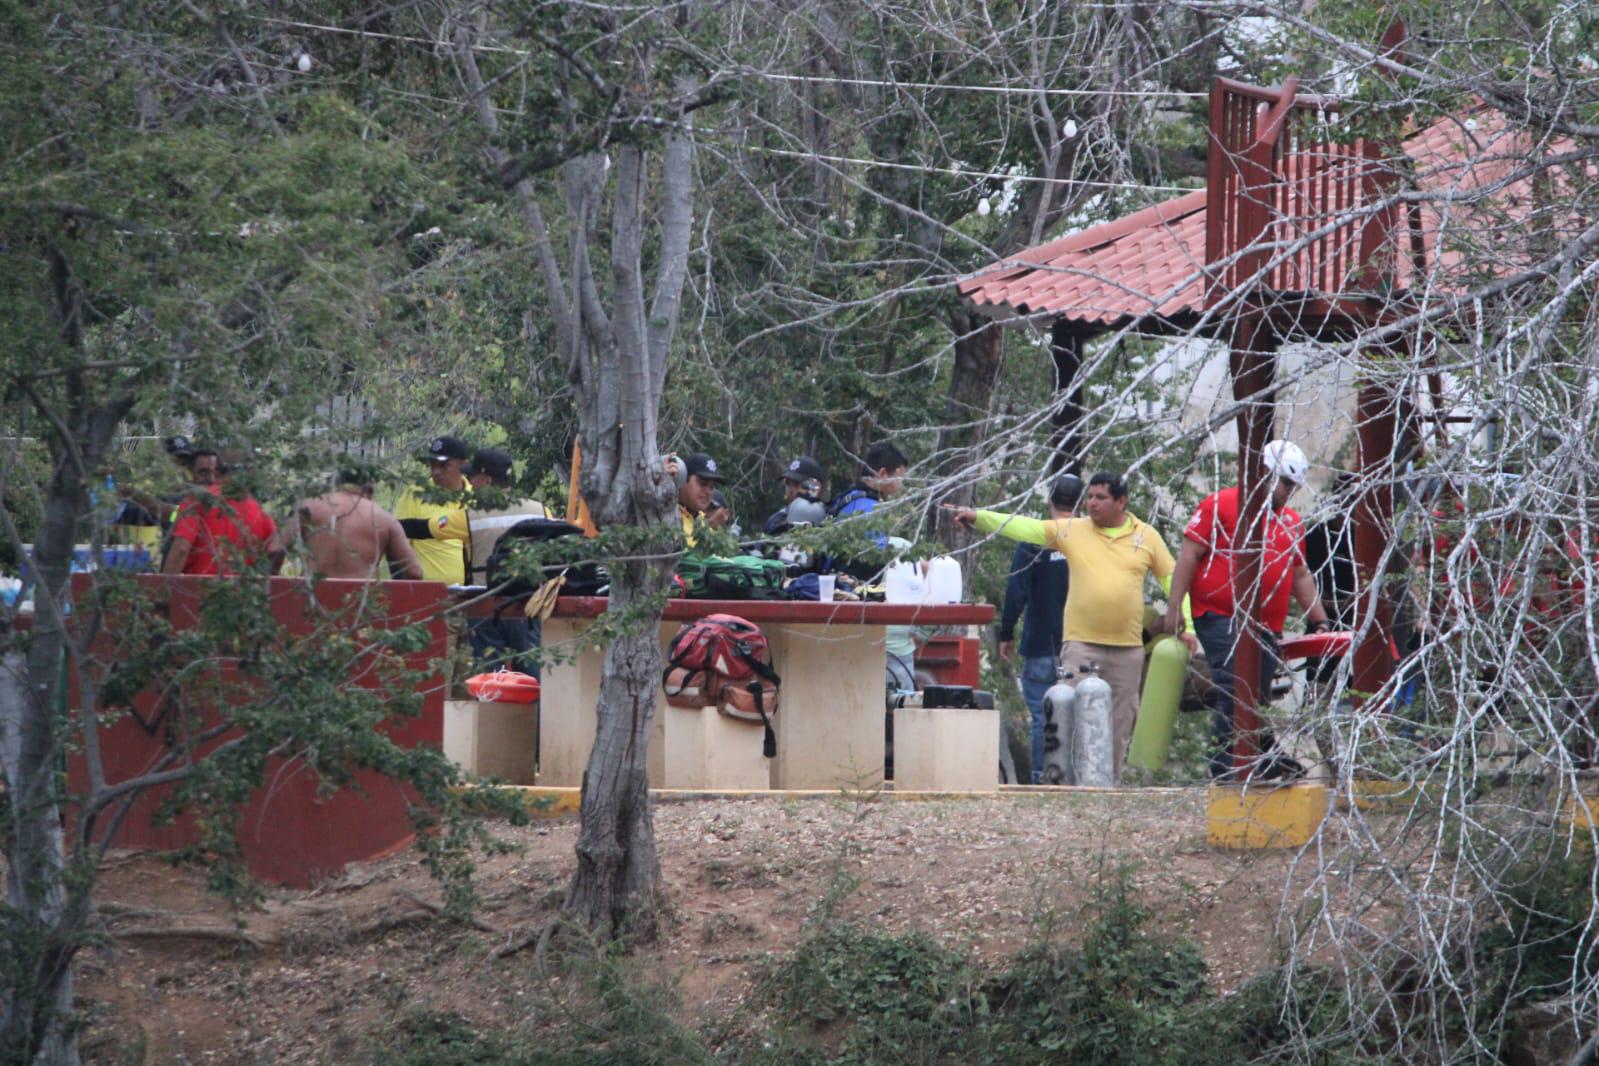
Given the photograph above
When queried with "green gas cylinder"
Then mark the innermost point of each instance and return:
(1157, 709)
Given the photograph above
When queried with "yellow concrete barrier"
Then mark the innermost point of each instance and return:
(1264, 816)
(1376, 794)
(1579, 816)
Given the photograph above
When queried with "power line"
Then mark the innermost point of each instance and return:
(959, 172)
(1004, 90)
(997, 90)
(962, 172)
(352, 32)
(853, 160)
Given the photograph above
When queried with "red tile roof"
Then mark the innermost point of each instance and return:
(1149, 263)
(1149, 266)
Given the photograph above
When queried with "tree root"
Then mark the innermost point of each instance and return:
(117, 911)
(438, 908)
(512, 946)
(229, 933)
(425, 910)
(540, 938)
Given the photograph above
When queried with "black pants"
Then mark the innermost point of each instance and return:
(1218, 637)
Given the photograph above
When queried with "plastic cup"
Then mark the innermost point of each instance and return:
(825, 586)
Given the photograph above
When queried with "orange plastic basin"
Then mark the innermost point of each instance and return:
(504, 686)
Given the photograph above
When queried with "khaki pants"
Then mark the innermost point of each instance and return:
(1122, 668)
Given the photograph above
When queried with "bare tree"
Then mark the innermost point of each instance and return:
(615, 339)
(1454, 913)
(901, 146)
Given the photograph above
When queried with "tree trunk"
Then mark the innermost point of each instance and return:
(34, 1014)
(616, 891)
(1066, 348)
(615, 345)
(979, 350)
(45, 913)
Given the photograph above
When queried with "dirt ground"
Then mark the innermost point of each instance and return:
(322, 970)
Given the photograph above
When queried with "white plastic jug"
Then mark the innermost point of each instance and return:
(943, 580)
(902, 583)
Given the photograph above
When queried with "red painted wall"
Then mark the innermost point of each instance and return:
(293, 831)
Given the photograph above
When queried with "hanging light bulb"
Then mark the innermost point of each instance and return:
(983, 207)
(1069, 130)
(304, 62)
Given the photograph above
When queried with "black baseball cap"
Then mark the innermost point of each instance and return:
(804, 469)
(718, 501)
(442, 448)
(703, 467)
(491, 461)
(178, 446)
(1066, 492)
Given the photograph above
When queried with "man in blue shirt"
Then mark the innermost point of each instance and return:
(882, 476)
(1037, 590)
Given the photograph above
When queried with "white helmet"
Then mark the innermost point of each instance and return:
(804, 511)
(1284, 459)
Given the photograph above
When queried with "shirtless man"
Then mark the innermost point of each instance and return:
(348, 535)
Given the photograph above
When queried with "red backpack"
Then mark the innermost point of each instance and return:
(724, 660)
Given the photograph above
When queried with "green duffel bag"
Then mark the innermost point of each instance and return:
(737, 577)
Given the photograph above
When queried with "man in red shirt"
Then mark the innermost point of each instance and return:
(1205, 574)
(215, 535)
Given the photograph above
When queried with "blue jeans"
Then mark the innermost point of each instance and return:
(1216, 637)
(498, 641)
(1038, 674)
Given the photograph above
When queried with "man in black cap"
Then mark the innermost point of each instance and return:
(179, 449)
(1035, 594)
(142, 516)
(695, 490)
(490, 470)
(439, 532)
(804, 477)
(502, 638)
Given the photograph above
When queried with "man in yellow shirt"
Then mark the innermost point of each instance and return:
(697, 485)
(1110, 553)
(439, 532)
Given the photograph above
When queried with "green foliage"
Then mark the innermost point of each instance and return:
(1122, 994)
(603, 1012)
(1539, 945)
(322, 696)
(30, 467)
(1280, 1014)
(890, 991)
(849, 994)
(437, 1038)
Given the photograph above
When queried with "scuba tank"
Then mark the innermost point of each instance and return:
(1157, 710)
(1059, 702)
(1093, 746)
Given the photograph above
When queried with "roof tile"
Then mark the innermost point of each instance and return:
(1149, 262)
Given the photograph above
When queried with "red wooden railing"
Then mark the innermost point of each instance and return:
(1290, 208)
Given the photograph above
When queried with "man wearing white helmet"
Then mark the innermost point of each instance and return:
(1205, 574)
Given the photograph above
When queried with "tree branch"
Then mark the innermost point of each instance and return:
(677, 226)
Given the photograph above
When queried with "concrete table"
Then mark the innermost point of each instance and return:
(831, 657)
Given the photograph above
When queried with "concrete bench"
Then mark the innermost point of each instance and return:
(831, 657)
